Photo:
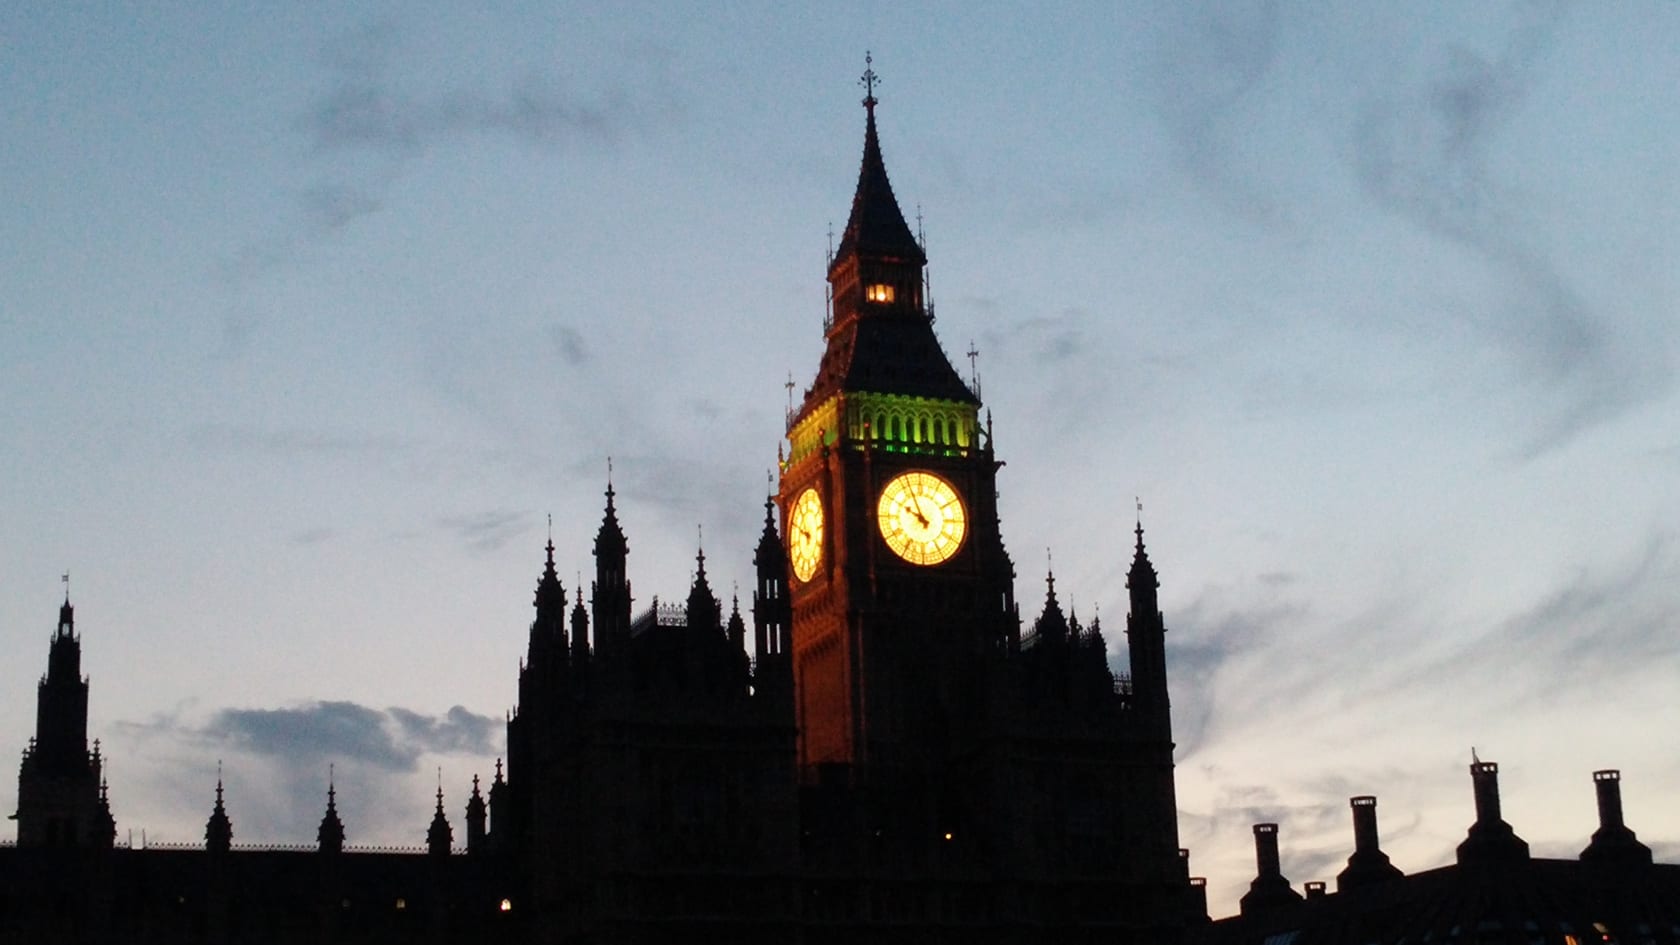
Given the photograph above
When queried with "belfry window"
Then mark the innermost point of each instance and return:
(879, 292)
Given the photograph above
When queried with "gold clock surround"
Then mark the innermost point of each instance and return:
(805, 534)
(922, 518)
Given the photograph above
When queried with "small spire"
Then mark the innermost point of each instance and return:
(498, 770)
(218, 830)
(330, 835)
(439, 836)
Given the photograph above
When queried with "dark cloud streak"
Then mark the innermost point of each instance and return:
(392, 740)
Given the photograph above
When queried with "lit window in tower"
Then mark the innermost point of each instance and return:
(879, 292)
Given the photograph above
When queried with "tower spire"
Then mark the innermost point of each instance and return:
(876, 227)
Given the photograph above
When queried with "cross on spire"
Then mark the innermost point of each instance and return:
(868, 80)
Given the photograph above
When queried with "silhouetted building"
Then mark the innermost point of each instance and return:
(896, 761)
(1496, 893)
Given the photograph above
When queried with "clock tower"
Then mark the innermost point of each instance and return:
(902, 593)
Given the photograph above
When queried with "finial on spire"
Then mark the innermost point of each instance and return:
(67, 587)
(868, 80)
(1139, 530)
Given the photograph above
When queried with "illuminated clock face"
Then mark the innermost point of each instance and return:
(922, 518)
(805, 534)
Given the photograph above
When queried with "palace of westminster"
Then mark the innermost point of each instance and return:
(901, 758)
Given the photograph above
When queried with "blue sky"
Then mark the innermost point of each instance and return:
(309, 318)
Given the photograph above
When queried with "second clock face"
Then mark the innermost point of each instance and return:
(805, 534)
(922, 518)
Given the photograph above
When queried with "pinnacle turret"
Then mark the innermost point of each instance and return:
(218, 830)
(439, 836)
(330, 835)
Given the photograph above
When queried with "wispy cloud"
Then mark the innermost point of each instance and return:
(367, 124)
(1422, 152)
(292, 441)
(1207, 65)
(487, 530)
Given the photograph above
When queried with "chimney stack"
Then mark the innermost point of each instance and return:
(1368, 864)
(1198, 900)
(1270, 889)
(1485, 776)
(1490, 839)
(1613, 843)
(1364, 822)
(1266, 860)
(1609, 786)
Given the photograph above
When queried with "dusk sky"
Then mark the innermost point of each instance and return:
(309, 318)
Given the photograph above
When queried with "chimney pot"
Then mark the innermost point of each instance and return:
(1485, 776)
(1266, 851)
(1609, 787)
(1364, 822)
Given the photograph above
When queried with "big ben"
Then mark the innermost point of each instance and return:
(901, 589)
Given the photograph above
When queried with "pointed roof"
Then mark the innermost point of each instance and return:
(548, 633)
(475, 802)
(736, 627)
(702, 604)
(439, 836)
(889, 349)
(218, 830)
(610, 539)
(330, 836)
(1142, 574)
(1051, 624)
(876, 226)
(769, 551)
